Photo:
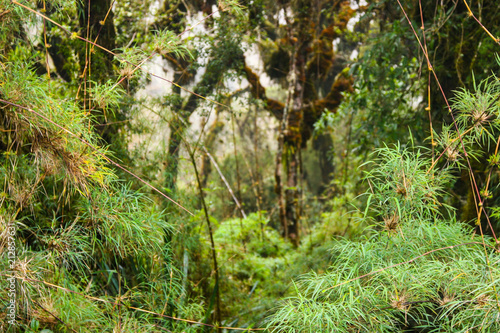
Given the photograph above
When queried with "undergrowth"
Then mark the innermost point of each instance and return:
(417, 268)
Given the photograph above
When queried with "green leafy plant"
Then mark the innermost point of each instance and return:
(417, 268)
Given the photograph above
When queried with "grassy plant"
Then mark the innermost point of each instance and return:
(90, 249)
(417, 268)
(414, 270)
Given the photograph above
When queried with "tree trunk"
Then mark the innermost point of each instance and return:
(292, 145)
(279, 161)
(323, 145)
(292, 135)
(174, 145)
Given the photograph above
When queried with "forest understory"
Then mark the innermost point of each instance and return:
(238, 166)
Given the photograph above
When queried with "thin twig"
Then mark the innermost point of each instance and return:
(225, 182)
(497, 40)
(4, 13)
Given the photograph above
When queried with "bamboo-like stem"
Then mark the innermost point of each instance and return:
(279, 163)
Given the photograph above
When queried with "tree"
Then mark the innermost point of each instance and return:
(308, 44)
(82, 241)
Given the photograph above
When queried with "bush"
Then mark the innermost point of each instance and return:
(417, 268)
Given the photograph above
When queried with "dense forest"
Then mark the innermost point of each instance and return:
(249, 165)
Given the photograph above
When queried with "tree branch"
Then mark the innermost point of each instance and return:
(259, 92)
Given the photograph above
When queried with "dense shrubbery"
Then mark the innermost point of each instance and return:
(87, 245)
(417, 268)
(413, 271)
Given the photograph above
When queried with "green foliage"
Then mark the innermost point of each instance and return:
(124, 222)
(402, 187)
(477, 112)
(10, 16)
(54, 149)
(417, 268)
(89, 248)
(254, 235)
(450, 289)
(415, 271)
(129, 57)
(106, 94)
(167, 42)
(386, 89)
(257, 264)
(233, 7)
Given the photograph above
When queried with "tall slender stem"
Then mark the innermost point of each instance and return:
(210, 232)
